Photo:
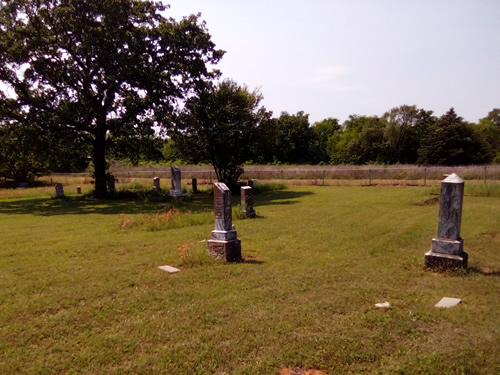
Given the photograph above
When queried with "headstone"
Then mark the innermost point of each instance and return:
(156, 183)
(59, 190)
(194, 184)
(78, 190)
(383, 305)
(176, 190)
(224, 244)
(111, 184)
(251, 182)
(247, 201)
(447, 248)
(169, 269)
(448, 302)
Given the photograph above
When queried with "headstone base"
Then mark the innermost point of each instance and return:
(445, 261)
(448, 246)
(251, 214)
(175, 194)
(230, 251)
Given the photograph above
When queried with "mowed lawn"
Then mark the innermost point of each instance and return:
(81, 293)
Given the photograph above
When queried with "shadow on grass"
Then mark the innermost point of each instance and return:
(482, 271)
(279, 197)
(85, 205)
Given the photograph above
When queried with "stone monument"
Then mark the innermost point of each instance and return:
(224, 244)
(247, 201)
(448, 247)
(194, 184)
(156, 183)
(111, 184)
(59, 190)
(176, 190)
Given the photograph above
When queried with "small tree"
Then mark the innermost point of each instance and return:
(220, 127)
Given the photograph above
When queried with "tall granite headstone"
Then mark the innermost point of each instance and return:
(448, 247)
(224, 244)
(175, 178)
(156, 183)
(59, 190)
(247, 201)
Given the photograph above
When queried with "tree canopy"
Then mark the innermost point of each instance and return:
(99, 71)
(220, 127)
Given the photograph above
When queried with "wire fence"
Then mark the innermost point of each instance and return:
(302, 175)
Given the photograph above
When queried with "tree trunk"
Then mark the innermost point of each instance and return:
(100, 163)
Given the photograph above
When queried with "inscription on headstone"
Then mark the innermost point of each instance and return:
(447, 248)
(247, 201)
(59, 190)
(156, 183)
(175, 178)
(224, 243)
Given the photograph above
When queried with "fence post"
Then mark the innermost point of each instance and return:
(425, 176)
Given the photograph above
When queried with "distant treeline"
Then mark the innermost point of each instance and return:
(403, 135)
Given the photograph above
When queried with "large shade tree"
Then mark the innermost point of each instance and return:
(99, 70)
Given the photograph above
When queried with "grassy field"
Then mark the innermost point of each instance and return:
(81, 292)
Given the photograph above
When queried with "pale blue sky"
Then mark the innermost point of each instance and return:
(337, 58)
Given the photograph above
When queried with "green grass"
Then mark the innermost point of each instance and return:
(81, 295)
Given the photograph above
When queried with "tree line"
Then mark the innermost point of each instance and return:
(88, 82)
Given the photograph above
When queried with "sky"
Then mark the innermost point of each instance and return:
(335, 58)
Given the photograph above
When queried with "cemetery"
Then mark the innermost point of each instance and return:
(157, 218)
(331, 279)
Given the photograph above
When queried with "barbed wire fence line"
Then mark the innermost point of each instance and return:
(302, 175)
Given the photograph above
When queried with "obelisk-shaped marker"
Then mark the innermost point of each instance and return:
(448, 247)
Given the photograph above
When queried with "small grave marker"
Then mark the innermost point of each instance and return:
(111, 184)
(59, 190)
(194, 184)
(447, 302)
(169, 269)
(247, 201)
(175, 178)
(156, 183)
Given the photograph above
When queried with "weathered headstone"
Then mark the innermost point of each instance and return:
(194, 184)
(111, 184)
(251, 182)
(247, 201)
(175, 178)
(224, 244)
(448, 247)
(59, 190)
(156, 183)
(78, 190)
